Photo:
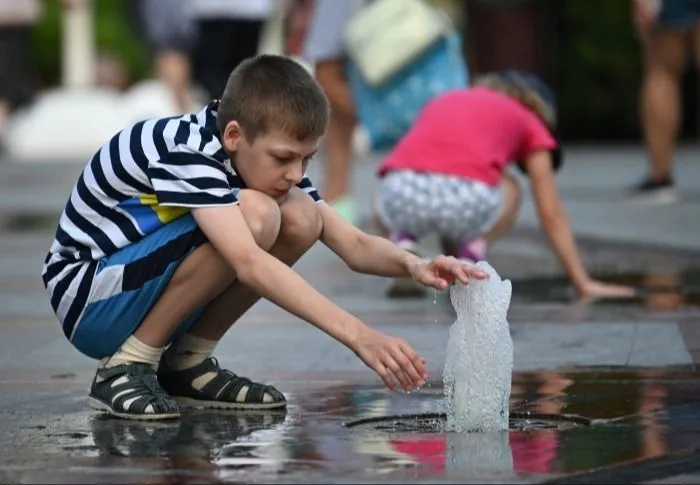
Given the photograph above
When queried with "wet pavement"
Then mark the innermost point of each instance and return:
(627, 369)
(632, 417)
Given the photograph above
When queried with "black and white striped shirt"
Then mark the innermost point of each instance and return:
(147, 175)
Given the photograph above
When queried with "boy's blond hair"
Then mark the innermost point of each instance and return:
(516, 87)
(268, 92)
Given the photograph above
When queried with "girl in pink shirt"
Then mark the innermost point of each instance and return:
(448, 175)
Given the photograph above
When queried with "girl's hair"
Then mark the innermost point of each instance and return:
(531, 91)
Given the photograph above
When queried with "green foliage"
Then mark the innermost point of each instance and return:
(597, 68)
(113, 35)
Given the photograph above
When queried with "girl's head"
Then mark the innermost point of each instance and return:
(532, 92)
(527, 88)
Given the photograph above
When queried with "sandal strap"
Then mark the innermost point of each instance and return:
(224, 386)
(141, 388)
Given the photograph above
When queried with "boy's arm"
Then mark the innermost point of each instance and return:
(280, 284)
(363, 252)
(375, 255)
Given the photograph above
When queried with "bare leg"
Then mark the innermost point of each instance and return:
(664, 56)
(188, 373)
(126, 384)
(300, 229)
(174, 70)
(204, 274)
(330, 75)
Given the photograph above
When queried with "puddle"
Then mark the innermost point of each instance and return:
(562, 424)
(437, 422)
(655, 291)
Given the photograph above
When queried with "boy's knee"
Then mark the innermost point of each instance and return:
(301, 220)
(262, 214)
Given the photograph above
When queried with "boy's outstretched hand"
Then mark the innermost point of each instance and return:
(442, 271)
(393, 359)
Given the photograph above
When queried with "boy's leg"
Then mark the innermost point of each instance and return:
(188, 372)
(126, 384)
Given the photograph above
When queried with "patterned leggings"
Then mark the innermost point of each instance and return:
(454, 208)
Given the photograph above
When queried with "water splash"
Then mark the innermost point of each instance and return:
(479, 361)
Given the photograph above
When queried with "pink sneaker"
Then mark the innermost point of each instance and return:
(473, 251)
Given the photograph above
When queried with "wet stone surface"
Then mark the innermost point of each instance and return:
(634, 415)
(628, 367)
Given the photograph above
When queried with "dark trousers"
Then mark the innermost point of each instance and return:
(221, 45)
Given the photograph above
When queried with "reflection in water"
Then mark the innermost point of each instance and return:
(640, 404)
(658, 291)
(642, 414)
(202, 441)
(480, 451)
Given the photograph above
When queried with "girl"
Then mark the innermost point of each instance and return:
(448, 175)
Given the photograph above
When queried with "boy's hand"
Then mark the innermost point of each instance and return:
(393, 359)
(442, 271)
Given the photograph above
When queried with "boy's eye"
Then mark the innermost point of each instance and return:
(284, 159)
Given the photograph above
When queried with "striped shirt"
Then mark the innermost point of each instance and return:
(146, 176)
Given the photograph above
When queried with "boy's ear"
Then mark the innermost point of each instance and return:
(232, 136)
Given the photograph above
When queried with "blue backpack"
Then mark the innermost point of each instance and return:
(387, 111)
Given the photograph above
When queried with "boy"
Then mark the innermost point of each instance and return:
(177, 226)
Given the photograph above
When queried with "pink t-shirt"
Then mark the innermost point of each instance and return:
(473, 133)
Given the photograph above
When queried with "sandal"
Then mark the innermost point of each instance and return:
(225, 390)
(131, 391)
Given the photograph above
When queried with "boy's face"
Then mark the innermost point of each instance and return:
(273, 163)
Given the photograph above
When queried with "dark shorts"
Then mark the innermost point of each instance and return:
(679, 14)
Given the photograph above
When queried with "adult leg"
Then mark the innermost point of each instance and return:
(660, 107)
(336, 186)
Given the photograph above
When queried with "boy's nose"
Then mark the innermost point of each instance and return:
(295, 175)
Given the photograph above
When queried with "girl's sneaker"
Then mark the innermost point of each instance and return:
(472, 251)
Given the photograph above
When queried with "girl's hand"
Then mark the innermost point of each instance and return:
(598, 289)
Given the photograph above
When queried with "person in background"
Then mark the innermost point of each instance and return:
(169, 31)
(669, 30)
(448, 175)
(324, 48)
(228, 31)
(18, 78)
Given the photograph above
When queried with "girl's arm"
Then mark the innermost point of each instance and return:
(558, 230)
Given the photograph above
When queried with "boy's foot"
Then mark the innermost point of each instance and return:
(220, 389)
(658, 191)
(406, 287)
(131, 391)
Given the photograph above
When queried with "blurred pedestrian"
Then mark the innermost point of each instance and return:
(324, 48)
(669, 30)
(228, 31)
(18, 77)
(169, 32)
